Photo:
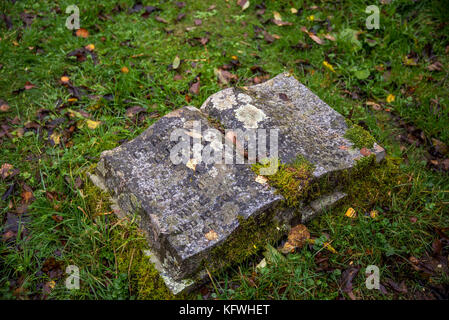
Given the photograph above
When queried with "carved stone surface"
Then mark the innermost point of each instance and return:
(187, 208)
(307, 125)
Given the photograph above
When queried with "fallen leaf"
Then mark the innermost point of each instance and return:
(29, 85)
(390, 98)
(195, 87)
(55, 137)
(65, 79)
(211, 235)
(365, 152)
(244, 4)
(176, 62)
(315, 38)
(91, 124)
(374, 214)
(224, 76)
(262, 264)
(82, 33)
(297, 237)
(350, 213)
(277, 16)
(124, 70)
(191, 164)
(293, 10)
(160, 19)
(347, 277)
(374, 105)
(90, 47)
(261, 179)
(133, 111)
(4, 107)
(329, 37)
(328, 66)
(5, 170)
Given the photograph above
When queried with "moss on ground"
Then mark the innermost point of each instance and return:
(143, 278)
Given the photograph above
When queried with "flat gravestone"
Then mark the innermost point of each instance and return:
(187, 204)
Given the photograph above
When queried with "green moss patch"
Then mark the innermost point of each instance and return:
(291, 180)
(359, 137)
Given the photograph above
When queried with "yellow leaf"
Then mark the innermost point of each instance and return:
(91, 124)
(55, 137)
(277, 16)
(90, 47)
(211, 235)
(390, 98)
(124, 70)
(328, 66)
(191, 164)
(350, 213)
(328, 246)
(261, 179)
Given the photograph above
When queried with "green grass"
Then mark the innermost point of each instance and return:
(369, 65)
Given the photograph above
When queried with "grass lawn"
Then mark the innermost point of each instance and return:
(65, 97)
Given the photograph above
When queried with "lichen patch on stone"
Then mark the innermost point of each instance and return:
(250, 116)
(223, 100)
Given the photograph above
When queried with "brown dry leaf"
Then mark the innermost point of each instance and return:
(225, 77)
(55, 137)
(244, 4)
(133, 111)
(346, 281)
(374, 105)
(312, 36)
(82, 33)
(29, 85)
(436, 66)
(160, 19)
(297, 237)
(315, 38)
(4, 107)
(365, 152)
(195, 87)
(5, 170)
(27, 194)
(211, 235)
(329, 37)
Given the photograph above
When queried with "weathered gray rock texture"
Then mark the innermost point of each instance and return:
(189, 208)
(307, 125)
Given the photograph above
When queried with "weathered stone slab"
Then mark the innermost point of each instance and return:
(188, 208)
(185, 209)
(307, 125)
